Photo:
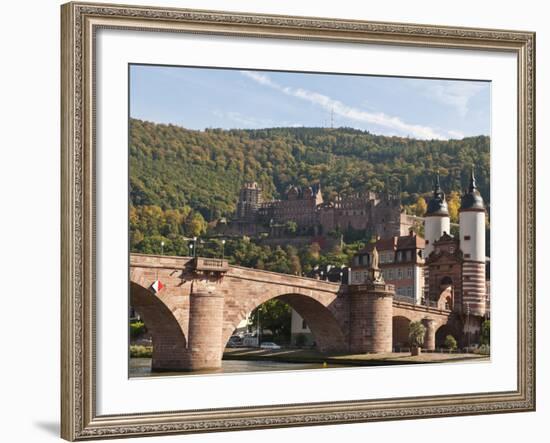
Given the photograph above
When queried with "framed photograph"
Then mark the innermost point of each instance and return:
(277, 221)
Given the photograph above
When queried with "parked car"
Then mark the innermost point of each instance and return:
(269, 345)
(234, 341)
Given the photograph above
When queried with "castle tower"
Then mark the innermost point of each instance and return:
(250, 199)
(472, 244)
(437, 219)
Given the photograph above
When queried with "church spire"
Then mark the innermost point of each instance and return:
(437, 205)
(437, 185)
(472, 186)
(472, 199)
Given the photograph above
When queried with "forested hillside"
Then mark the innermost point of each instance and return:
(180, 180)
(172, 167)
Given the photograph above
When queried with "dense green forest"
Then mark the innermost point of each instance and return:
(172, 167)
(182, 181)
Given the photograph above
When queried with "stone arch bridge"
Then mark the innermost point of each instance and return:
(203, 300)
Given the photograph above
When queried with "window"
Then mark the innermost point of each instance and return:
(466, 237)
(390, 274)
(466, 255)
(409, 272)
(399, 274)
(427, 241)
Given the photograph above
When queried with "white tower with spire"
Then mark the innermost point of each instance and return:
(472, 244)
(436, 221)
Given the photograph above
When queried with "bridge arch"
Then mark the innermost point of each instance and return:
(400, 331)
(324, 326)
(169, 341)
(443, 331)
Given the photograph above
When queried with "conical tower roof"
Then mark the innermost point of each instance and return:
(437, 205)
(472, 199)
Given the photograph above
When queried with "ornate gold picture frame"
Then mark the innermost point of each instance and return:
(80, 23)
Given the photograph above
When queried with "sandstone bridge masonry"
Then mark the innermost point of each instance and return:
(203, 301)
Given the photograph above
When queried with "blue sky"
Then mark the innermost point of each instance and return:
(198, 98)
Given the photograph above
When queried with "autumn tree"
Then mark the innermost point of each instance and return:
(453, 203)
(421, 207)
(195, 225)
(416, 333)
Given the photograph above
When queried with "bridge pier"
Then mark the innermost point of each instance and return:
(204, 347)
(168, 353)
(429, 337)
(371, 312)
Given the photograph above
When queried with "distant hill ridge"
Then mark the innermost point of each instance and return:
(171, 166)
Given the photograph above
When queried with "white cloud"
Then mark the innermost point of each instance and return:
(456, 94)
(251, 121)
(456, 135)
(242, 119)
(395, 125)
(262, 79)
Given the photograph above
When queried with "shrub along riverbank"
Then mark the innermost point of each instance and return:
(139, 351)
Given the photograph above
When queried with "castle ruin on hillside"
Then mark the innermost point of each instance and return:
(378, 214)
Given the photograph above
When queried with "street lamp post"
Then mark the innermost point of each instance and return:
(194, 246)
(161, 253)
(223, 249)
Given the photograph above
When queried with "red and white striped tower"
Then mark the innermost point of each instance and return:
(472, 244)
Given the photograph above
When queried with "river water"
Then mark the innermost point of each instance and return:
(141, 367)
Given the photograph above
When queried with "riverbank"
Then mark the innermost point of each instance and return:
(141, 367)
(311, 356)
(261, 360)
